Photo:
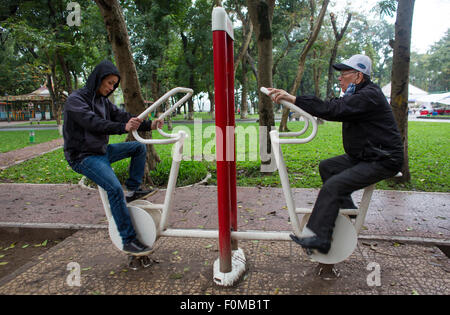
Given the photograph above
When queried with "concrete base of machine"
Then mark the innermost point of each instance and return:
(238, 267)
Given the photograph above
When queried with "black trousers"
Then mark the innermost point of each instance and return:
(341, 175)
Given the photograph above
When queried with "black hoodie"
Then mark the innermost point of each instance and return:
(369, 130)
(89, 118)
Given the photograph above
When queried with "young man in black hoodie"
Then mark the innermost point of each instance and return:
(89, 119)
(372, 143)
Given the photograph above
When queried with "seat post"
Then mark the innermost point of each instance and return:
(363, 207)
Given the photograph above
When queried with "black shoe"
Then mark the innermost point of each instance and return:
(135, 247)
(313, 242)
(139, 194)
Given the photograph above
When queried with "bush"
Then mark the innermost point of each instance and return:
(191, 172)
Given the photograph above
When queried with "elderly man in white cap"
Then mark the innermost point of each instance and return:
(372, 144)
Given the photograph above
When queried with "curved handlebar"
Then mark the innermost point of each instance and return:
(163, 98)
(308, 119)
(173, 137)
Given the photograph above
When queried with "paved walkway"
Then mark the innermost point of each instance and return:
(414, 217)
(8, 159)
(398, 243)
(11, 123)
(400, 234)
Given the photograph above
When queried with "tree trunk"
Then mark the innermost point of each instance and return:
(244, 81)
(261, 13)
(400, 75)
(75, 80)
(212, 104)
(338, 36)
(241, 58)
(302, 60)
(53, 104)
(66, 72)
(54, 90)
(330, 91)
(191, 66)
(191, 101)
(247, 31)
(155, 91)
(316, 74)
(252, 63)
(134, 101)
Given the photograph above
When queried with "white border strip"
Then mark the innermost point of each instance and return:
(68, 226)
(214, 234)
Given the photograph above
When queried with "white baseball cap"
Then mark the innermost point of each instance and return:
(359, 63)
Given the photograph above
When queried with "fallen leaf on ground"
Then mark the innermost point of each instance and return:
(10, 246)
(176, 276)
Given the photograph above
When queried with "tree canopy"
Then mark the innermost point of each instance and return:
(171, 46)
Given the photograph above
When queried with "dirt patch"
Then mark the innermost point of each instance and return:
(21, 246)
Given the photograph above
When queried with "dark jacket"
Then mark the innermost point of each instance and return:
(89, 118)
(369, 130)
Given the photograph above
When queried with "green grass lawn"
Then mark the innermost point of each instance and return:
(13, 140)
(429, 151)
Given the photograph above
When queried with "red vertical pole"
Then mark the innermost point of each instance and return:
(221, 104)
(231, 137)
(225, 140)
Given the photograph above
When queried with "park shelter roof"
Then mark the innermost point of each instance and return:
(41, 94)
(443, 98)
(413, 92)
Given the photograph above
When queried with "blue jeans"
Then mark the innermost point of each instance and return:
(98, 169)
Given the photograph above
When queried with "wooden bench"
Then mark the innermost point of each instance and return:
(34, 119)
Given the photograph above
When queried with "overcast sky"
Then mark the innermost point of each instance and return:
(430, 22)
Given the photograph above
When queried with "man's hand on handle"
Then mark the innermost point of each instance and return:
(135, 122)
(278, 95)
(157, 123)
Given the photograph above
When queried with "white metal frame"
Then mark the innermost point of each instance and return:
(344, 235)
(160, 213)
(360, 213)
(276, 142)
(166, 207)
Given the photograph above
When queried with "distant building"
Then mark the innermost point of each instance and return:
(413, 92)
(36, 105)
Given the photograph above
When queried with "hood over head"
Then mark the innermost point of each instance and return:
(102, 70)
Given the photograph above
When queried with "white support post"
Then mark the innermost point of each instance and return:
(284, 178)
(363, 207)
(105, 201)
(171, 185)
